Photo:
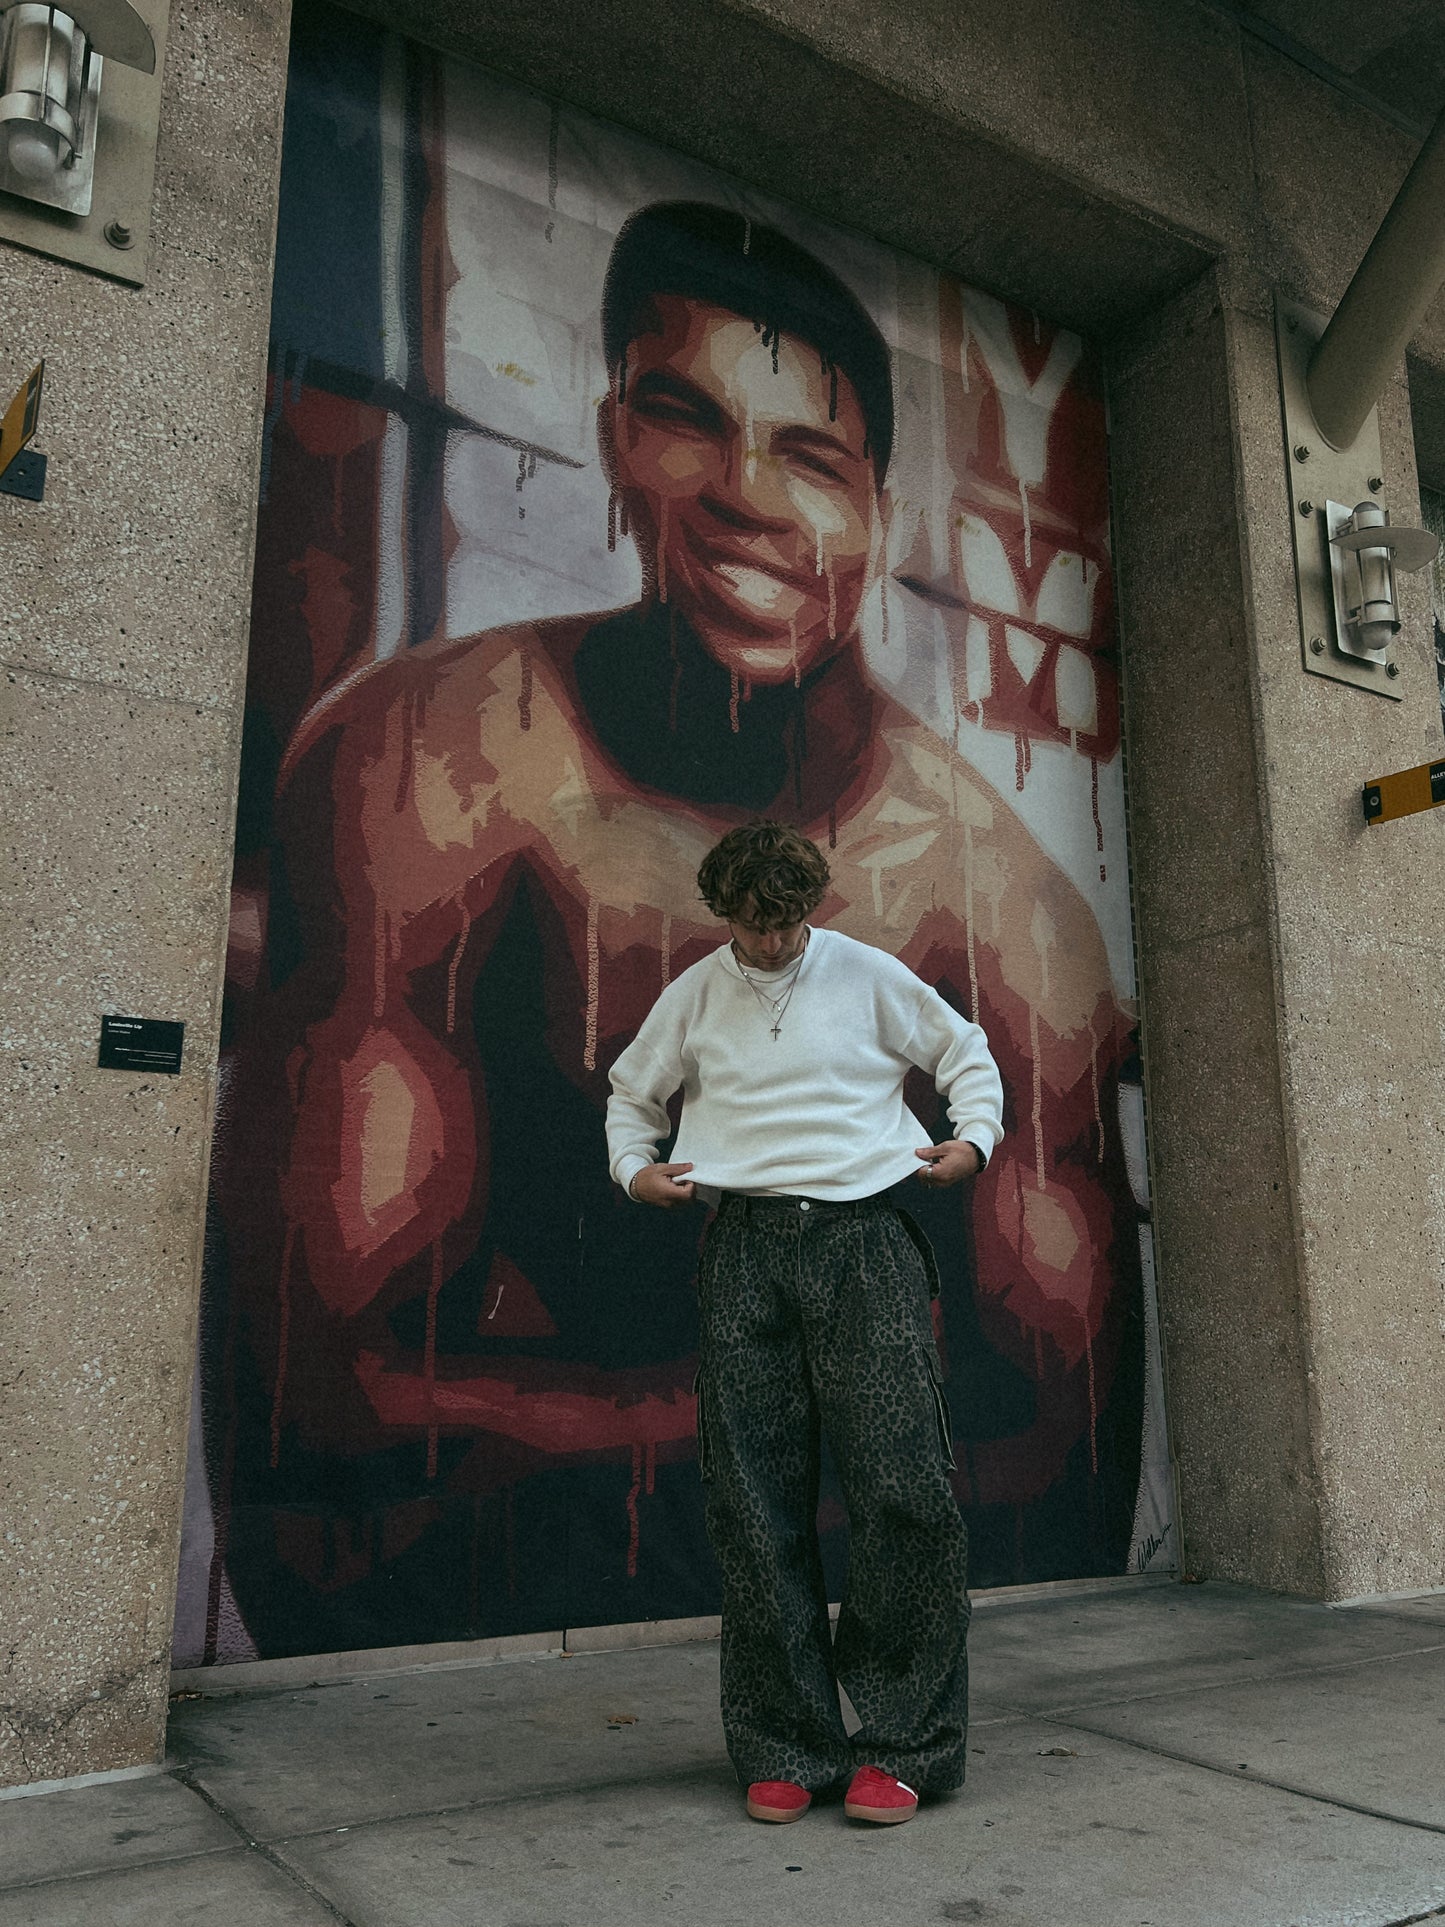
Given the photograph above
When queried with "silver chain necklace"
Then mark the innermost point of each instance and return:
(774, 1007)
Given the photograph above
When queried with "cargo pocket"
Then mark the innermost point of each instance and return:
(704, 1450)
(940, 1410)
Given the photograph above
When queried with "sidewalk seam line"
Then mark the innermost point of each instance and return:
(1224, 1685)
(1260, 1779)
(261, 1848)
(532, 1795)
(106, 1873)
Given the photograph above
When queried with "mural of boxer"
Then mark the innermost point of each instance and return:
(607, 506)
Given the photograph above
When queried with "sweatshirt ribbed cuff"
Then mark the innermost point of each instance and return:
(627, 1170)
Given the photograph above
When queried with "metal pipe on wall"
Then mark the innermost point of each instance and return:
(1384, 304)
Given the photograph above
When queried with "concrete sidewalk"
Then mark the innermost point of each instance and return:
(1147, 1755)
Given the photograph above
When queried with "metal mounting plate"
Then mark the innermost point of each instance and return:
(1321, 475)
(124, 174)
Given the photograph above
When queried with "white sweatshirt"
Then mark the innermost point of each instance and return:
(819, 1110)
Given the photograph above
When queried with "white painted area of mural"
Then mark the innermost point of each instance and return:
(535, 197)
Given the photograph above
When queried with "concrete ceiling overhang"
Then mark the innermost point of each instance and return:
(758, 97)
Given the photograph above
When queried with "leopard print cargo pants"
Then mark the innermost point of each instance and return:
(816, 1315)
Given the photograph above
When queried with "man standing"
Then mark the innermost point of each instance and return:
(791, 1046)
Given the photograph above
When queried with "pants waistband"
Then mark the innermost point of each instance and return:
(734, 1201)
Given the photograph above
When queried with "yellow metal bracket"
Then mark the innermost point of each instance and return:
(1405, 793)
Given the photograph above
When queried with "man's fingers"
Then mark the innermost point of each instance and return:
(671, 1170)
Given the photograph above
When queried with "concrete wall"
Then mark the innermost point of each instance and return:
(1142, 171)
(124, 602)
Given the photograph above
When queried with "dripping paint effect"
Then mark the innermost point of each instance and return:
(1093, 1404)
(1019, 1208)
(552, 132)
(524, 694)
(612, 523)
(1018, 759)
(651, 1467)
(283, 1342)
(1094, 1083)
(634, 1532)
(404, 771)
(818, 561)
(589, 1048)
(1028, 524)
(666, 947)
(429, 1359)
(521, 482)
(1038, 1099)
(1098, 824)
(968, 920)
(832, 607)
(883, 612)
(733, 688)
(833, 834)
(747, 235)
(454, 965)
(380, 947)
(496, 1302)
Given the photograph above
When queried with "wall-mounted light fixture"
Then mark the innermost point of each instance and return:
(1347, 548)
(51, 65)
(1365, 551)
(79, 107)
(1332, 373)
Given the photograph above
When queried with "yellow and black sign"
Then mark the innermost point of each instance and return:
(1408, 790)
(21, 417)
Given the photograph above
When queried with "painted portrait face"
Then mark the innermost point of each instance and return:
(748, 485)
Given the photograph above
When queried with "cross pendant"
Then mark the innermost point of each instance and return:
(776, 1028)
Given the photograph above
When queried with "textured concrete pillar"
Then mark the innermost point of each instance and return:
(123, 624)
(1291, 962)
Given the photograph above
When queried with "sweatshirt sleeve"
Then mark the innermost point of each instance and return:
(643, 1079)
(956, 1055)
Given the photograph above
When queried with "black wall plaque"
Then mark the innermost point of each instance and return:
(140, 1044)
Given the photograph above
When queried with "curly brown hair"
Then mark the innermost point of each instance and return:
(765, 870)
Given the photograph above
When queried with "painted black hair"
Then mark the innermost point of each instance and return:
(716, 255)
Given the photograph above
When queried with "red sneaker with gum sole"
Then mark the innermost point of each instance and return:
(778, 1801)
(877, 1796)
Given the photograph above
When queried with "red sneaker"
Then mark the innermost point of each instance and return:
(778, 1800)
(875, 1795)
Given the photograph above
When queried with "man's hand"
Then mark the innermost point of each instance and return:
(948, 1163)
(662, 1184)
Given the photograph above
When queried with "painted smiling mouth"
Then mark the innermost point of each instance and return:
(736, 565)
